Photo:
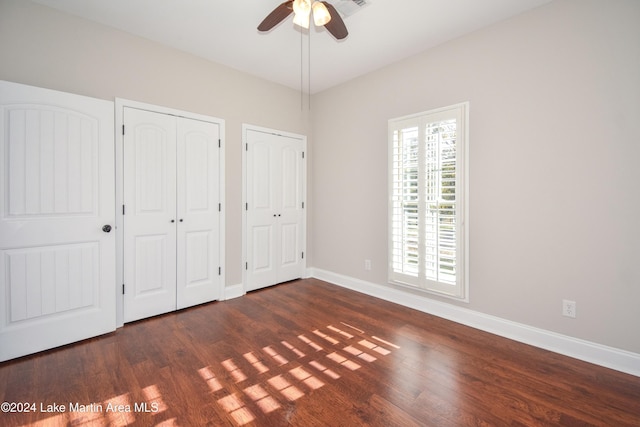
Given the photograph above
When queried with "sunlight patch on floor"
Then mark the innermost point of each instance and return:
(92, 418)
(118, 411)
(374, 347)
(210, 379)
(293, 349)
(168, 423)
(235, 407)
(359, 353)
(255, 362)
(289, 391)
(61, 420)
(262, 398)
(341, 360)
(154, 397)
(385, 342)
(267, 395)
(352, 327)
(340, 331)
(309, 380)
(312, 344)
(280, 360)
(320, 367)
(271, 394)
(233, 369)
(118, 418)
(326, 337)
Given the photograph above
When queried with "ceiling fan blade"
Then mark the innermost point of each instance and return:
(278, 15)
(336, 26)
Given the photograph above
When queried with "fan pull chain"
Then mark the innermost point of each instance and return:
(309, 68)
(301, 74)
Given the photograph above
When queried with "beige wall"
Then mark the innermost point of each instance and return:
(554, 178)
(42, 47)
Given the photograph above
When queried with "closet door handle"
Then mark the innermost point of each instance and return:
(173, 220)
(106, 228)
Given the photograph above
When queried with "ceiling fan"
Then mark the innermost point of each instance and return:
(324, 14)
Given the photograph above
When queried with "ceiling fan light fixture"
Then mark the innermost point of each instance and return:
(321, 15)
(301, 9)
(301, 20)
(325, 14)
(302, 6)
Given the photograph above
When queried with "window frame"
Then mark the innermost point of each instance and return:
(460, 290)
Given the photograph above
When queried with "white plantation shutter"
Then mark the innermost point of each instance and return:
(405, 201)
(427, 216)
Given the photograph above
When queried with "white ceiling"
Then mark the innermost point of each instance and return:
(224, 31)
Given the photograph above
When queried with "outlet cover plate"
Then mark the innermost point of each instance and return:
(569, 308)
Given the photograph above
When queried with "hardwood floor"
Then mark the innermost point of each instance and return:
(308, 353)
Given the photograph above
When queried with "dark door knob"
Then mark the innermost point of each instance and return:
(106, 228)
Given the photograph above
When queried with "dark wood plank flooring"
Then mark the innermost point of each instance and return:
(308, 353)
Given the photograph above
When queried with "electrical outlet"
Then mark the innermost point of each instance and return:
(568, 308)
(367, 264)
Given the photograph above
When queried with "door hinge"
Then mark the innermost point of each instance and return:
(123, 129)
(219, 207)
(246, 206)
(219, 271)
(219, 143)
(123, 289)
(246, 265)
(122, 209)
(303, 154)
(246, 147)
(302, 205)
(302, 255)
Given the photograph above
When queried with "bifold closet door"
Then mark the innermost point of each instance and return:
(172, 213)
(57, 211)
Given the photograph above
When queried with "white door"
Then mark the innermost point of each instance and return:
(172, 213)
(150, 214)
(275, 175)
(199, 210)
(57, 265)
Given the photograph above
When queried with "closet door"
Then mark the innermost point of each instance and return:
(150, 214)
(198, 207)
(274, 209)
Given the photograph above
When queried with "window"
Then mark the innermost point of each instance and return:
(427, 209)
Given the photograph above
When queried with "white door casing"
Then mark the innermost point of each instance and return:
(274, 226)
(57, 265)
(172, 223)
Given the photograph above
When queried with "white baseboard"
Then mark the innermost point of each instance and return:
(233, 291)
(598, 354)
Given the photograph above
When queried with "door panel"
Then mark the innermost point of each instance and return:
(51, 279)
(150, 255)
(57, 266)
(198, 157)
(150, 208)
(290, 162)
(262, 269)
